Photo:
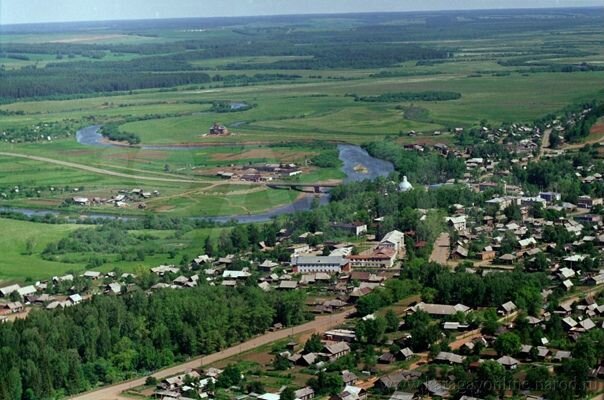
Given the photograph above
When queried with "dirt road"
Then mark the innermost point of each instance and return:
(440, 252)
(103, 171)
(320, 324)
(100, 170)
(547, 134)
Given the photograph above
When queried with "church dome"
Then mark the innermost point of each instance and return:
(404, 186)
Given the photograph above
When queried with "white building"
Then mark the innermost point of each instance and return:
(458, 223)
(328, 264)
(394, 240)
(405, 186)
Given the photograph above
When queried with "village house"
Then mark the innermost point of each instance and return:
(288, 285)
(14, 307)
(458, 223)
(26, 291)
(449, 358)
(501, 203)
(217, 129)
(394, 240)
(201, 260)
(336, 350)
(349, 378)
(80, 201)
(391, 381)
(508, 362)
(165, 269)
(354, 228)
(440, 310)
(93, 275)
(398, 395)
(340, 335)
(267, 266)
(507, 308)
(235, 275)
(7, 290)
(351, 393)
(434, 388)
(305, 393)
(588, 202)
(551, 197)
(74, 299)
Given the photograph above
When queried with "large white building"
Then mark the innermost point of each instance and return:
(328, 264)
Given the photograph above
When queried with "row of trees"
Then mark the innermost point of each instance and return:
(410, 96)
(582, 129)
(113, 132)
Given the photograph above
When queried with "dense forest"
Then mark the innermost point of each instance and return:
(108, 339)
(56, 82)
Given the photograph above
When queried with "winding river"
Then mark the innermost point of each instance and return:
(358, 165)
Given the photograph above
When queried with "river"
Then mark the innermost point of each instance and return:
(358, 165)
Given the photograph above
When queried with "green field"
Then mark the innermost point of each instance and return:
(18, 265)
(15, 265)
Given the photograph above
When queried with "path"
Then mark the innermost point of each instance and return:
(101, 170)
(544, 143)
(440, 252)
(320, 324)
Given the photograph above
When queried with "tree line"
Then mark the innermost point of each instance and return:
(43, 82)
(410, 96)
(582, 129)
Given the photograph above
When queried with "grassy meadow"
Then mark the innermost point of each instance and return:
(22, 250)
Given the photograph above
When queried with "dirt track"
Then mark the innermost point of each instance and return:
(101, 170)
(545, 143)
(320, 324)
(440, 252)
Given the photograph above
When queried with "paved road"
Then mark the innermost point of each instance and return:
(320, 324)
(440, 251)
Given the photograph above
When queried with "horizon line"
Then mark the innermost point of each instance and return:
(294, 15)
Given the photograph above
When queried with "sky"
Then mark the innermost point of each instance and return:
(35, 11)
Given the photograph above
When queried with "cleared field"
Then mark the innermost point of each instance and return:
(23, 262)
(15, 264)
(240, 202)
